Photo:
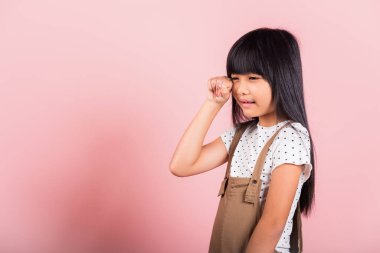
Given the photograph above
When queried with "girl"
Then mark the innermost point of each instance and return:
(264, 76)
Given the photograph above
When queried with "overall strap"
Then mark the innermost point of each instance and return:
(254, 187)
(235, 141)
(239, 132)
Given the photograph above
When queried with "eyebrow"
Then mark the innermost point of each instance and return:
(246, 74)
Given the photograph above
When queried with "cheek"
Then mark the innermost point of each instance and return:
(266, 94)
(234, 93)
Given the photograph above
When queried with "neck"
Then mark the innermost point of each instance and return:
(270, 120)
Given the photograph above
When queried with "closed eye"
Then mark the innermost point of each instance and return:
(252, 77)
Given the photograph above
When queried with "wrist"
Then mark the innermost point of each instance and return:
(214, 104)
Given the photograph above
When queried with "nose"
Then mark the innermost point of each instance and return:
(241, 88)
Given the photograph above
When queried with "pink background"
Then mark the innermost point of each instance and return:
(95, 95)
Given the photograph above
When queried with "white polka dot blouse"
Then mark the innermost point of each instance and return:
(292, 145)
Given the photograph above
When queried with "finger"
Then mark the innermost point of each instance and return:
(215, 82)
(216, 87)
(223, 94)
(224, 91)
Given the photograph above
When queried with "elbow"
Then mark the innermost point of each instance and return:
(175, 171)
(180, 169)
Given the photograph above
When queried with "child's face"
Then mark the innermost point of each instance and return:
(252, 87)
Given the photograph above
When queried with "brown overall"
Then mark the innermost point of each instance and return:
(239, 207)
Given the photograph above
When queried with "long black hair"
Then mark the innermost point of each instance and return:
(274, 54)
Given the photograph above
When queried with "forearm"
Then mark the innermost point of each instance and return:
(190, 144)
(264, 237)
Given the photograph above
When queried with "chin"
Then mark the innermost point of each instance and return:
(251, 115)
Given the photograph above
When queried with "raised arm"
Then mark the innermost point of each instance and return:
(191, 156)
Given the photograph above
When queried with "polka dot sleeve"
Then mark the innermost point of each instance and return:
(293, 147)
(227, 137)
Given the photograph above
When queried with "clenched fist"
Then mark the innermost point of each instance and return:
(219, 89)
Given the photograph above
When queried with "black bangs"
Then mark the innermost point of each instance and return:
(253, 53)
(245, 57)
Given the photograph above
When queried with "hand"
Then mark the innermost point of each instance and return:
(219, 89)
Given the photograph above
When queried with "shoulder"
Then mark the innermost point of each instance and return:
(227, 136)
(295, 127)
(292, 145)
(229, 131)
(292, 135)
